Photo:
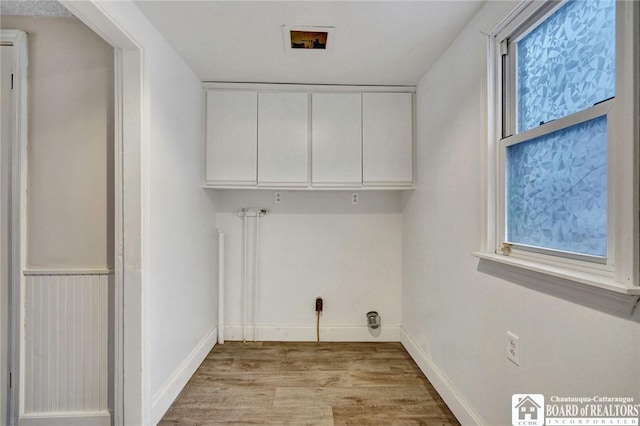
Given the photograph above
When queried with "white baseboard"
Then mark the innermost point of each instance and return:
(81, 418)
(168, 393)
(307, 333)
(463, 411)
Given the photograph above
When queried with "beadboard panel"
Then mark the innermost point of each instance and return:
(66, 343)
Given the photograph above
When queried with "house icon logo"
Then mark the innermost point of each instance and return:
(527, 409)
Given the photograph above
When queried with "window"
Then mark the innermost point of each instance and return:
(563, 68)
(557, 190)
(565, 171)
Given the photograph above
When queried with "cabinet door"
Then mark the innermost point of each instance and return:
(387, 138)
(232, 146)
(283, 139)
(336, 139)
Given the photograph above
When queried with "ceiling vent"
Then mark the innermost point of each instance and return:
(301, 38)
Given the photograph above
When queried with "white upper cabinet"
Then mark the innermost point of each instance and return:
(387, 139)
(232, 147)
(283, 139)
(336, 139)
(305, 136)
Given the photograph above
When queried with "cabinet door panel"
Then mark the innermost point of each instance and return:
(336, 139)
(232, 145)
(283, 138)
(387, 138)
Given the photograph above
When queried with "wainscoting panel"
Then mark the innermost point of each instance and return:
(66, 344)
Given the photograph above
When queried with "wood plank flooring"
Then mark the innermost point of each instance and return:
(295, 383)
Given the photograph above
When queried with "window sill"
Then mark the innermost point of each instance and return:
(592, 280)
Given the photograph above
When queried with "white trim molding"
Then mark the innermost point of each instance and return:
(105, 271)
(594, 280)
(170, 390)
(456, 402)
(100, 418)
(307, 333)
(279, 87)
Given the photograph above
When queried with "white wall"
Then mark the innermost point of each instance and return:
(315, 244)
(182, 224)
(70, 148)
(182, 285)
(458, 316)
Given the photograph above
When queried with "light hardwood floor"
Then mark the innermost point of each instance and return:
(289, 383)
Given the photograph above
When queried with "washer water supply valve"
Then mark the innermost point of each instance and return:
(373, 320)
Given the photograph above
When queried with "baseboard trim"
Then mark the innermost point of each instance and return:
(54, 271)
(307, 333)
(80, 418)
(168, 393)
(463, 411)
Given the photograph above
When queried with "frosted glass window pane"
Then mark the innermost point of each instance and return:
(557, 190)
(567, 63)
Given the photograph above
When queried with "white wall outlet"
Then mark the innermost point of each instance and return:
(277, 198)
(513, 348)
(355, 198)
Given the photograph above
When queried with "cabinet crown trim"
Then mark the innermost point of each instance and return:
(306, 87)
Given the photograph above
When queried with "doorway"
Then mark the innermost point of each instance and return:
(60, 360)
(131, 141)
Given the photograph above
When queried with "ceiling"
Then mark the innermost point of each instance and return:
(376, 42)
(33, 8)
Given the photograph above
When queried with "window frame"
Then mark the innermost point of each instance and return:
(620, 271)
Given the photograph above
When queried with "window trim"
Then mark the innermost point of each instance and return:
(621, 272)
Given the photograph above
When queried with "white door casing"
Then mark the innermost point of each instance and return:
(6, 61)
(16, 164)
(131, 401)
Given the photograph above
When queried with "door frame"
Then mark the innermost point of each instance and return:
(18, 198)
(131, 394)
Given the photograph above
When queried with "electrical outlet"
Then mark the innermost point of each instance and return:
(355, 198)
(513, 348)
(278, 198)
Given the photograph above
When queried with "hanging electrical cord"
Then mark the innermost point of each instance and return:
(318, 310)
